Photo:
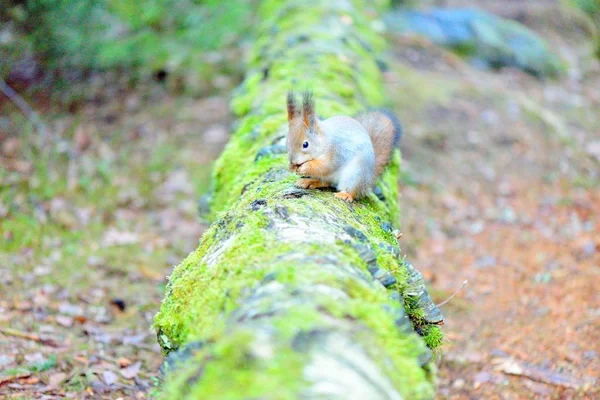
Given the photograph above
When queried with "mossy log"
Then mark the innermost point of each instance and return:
(293, 293)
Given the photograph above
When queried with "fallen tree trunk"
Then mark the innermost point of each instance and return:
(293, 293)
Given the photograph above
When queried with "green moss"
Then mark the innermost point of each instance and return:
(379, 335)
(234, 368)
(196, 290)
(241, 253)
(419, 89)
(433, 336)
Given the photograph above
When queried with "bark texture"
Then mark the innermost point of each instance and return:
(293, 293)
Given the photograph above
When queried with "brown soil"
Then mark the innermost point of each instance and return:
(505, 195)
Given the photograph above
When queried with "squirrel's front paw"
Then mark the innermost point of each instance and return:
(344, 196)
(310, 183)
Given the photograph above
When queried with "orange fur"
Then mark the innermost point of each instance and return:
(384, 135)
(310, 183)
(318, 167)
(292, 108)
(308, 110)
(345, 196)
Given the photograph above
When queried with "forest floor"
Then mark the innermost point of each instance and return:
(500, 188)
(89, 234)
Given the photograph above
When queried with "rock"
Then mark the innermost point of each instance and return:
(484, 39)
(110, 377)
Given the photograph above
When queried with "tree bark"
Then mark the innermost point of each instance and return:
(293, 293)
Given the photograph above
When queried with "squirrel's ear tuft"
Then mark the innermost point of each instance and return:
(292, 107)
(308, 109)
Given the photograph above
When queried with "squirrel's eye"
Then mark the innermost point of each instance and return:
(305, 145)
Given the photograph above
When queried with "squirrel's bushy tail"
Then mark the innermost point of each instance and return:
(385, 132)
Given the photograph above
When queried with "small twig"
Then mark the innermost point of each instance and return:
(8, 379)
(453, 294)
(20, 334)
(26, 109)
(29, 336)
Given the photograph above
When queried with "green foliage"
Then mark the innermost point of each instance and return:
(144, 36)
(44, 365)
(592, 9)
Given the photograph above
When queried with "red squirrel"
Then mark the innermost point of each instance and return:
(342, 152)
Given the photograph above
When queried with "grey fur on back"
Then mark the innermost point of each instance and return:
(352, 153)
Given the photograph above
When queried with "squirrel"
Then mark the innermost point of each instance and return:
(342, 152)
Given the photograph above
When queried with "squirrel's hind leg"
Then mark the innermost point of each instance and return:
(354, 179)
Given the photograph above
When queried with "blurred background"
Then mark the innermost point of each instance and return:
(111, 114)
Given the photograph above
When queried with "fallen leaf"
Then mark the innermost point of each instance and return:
(109, 377)
(82, 138)
(216, 134)
(20, 166)
(131, 371)
(6, 360)
(593, 148)
(5, 318)
(17, 386)
(55, 380)
(510, 366)
(65, 219)
(114, 237)
(178, 181)
(10, 147)
(134, 339)
(11, 378)
(23, 305)
(124, 362)
(82, 359)
(70, 309)
(63, 320)
(34, 358)
(149, 273)
(3, 210)
(32, 380)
